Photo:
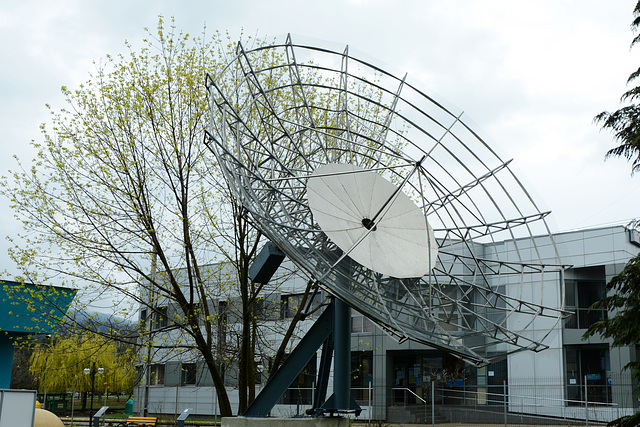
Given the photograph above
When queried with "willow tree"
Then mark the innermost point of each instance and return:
(124, 199)
(58, 366)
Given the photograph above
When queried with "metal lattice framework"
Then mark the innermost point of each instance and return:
(281, 111)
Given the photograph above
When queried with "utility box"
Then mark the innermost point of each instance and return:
(128, 407)
(17, 408)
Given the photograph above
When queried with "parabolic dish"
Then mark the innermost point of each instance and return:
(372, 220)
(313, 142)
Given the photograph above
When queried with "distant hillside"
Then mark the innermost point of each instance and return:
(96, 321)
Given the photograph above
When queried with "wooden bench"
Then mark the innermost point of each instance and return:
(140, 421)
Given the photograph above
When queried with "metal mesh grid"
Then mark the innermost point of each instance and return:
(278, 112)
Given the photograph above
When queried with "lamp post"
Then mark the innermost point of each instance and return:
(92, 371)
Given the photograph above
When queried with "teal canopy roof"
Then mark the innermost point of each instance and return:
(32, 309)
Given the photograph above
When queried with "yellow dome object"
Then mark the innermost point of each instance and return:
(44, 418)
(38, 405)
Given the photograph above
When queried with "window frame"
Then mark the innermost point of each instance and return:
(188, 374)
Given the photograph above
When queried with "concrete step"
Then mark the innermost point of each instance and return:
(413, 414)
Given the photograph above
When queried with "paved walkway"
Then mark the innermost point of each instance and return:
(466, 425)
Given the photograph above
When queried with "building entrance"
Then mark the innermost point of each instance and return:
(413, 371)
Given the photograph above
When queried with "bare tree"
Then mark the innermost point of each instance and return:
(124, 202)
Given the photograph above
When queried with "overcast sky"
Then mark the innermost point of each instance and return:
(530, 76)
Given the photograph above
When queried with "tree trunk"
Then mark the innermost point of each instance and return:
(254, 329)
(244, 351)
(221, 391)
(279, 356)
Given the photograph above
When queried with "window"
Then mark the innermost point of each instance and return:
(360, 323)
(496, 311)
(139, 374)
(188, 374)
(143, 319)
(590, 364)
(583, 287)
(361, 375)
(160, 319)
(258, 371)
(264, 310)
(301, 389)
(222, 325)
(156, 375)
(291, 303)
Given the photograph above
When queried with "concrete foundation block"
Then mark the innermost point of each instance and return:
(285, 422)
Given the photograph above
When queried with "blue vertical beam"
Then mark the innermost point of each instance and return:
(292, 367)
(342, 355)
(323, 373)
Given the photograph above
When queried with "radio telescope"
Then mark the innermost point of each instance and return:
(387, 198)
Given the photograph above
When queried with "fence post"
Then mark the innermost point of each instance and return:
(586, 403)
(433, 402)
(176, 409)
(370, 403)
(215, 406)
(504, 400)
(73, 401)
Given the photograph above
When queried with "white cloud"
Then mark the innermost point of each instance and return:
(531, 75)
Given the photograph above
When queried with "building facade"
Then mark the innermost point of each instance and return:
(390, 379)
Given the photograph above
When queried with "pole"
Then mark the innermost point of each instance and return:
(93, 378)
(147, 380)
(425, 408)
(370, 399)
(586, 403)
(176, 412)
(433, 402)
(73, 400)
(504, 400)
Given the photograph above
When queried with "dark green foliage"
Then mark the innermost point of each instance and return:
(623, 292)
(623, 299)
(625, 122)
(628, 421)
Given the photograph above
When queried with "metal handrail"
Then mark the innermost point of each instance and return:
(514, 395)
(410, 391)
(418, 397)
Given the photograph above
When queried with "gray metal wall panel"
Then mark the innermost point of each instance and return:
(172, 371)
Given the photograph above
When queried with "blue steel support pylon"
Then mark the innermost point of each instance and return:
(332, 331)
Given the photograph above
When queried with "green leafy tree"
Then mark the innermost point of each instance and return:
(58, 365)
(625, 122)
(622, 325)
(123, 193)
(125, 199)
(622, 300)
